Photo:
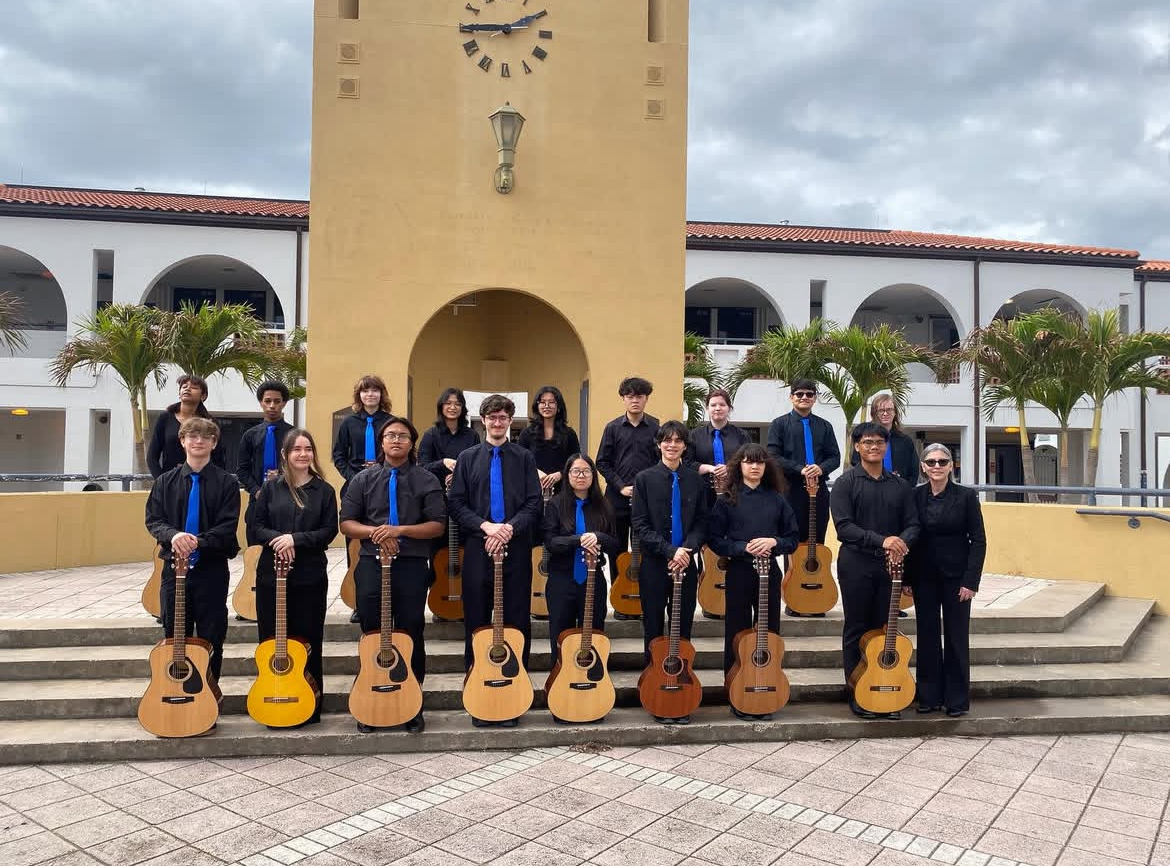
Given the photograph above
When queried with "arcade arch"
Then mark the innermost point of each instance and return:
(43, 308)
(215, 279)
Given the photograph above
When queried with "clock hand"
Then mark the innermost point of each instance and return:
(528, 19)
(483, 28)
(507, 28)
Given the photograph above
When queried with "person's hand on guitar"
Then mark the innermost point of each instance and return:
(761, 546)
(283, 546)
(184, 543)
(590, 543)
(549, 480)
(811, 471)
(628, 491)
(895, 547)
(680, 560)
(386, 536)
(966, 594)
(497, 536)
(449, 462)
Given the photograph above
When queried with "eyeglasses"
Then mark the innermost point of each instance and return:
(396, 437)
(889, 410)
(547, 404)
(499, 419)
(871, 443)
(580, 473)
(804, 395)
(454, 404)
(940, 461)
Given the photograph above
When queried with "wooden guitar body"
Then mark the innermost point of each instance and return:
(284, 694)
(712, 592)
(756, 684)
(808, 586)
(349, 582)
(386, 692)
(445, 598)
(497, 688)
(625, 595)
(539, 582)
(883, 685)
(244, 598)
(668, 687)
(905, 601)
(579, 688)
(152, 592)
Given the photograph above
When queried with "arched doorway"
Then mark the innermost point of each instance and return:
(214, 279)
(1035, 299)
(42, 303)
(923, 316)
(731, 315)
(498, 341)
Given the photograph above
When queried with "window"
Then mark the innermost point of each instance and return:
(198, 297)
(697, 320)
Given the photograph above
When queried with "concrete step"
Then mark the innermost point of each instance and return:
(1052, 609)
(64, 740)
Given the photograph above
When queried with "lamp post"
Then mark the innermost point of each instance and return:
(506, 124)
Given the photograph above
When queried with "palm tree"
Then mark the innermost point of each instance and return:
(785, 353)
(129, 340)
(287, 363)
(1061, 384)
(218, 338)
(11, 336)
(700, 375)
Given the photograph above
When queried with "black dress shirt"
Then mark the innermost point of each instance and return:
(470, 497)
(219, 510)
(550, 454)
(903, 456)
(250, 466)
(651, 517)
(702, 445)
(349, 451)
(625, 451)
(759, 513)
(312, 526)
(165, 451)
(953, 543)
(420, 500)
(439, 443)
(867, 510)
(786, 445)
(561, 538)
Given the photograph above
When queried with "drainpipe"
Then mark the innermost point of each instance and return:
(976, 438)
(297, 309)
(1144, 482)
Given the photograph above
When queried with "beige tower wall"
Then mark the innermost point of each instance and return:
(406, 219)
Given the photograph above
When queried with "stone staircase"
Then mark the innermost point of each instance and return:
(1066, 659)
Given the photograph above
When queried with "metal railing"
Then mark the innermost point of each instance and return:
(1091, 492)
(34, 477)
(1134, 514)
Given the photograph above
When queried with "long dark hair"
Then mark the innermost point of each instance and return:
(411, 456)
(560, 420)
(566, 498)
(286, 446)
(440, 420)
(753, 453)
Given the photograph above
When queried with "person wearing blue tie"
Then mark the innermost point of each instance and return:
(356, 445)
(495, 497)
(576, 519)
(193, 510)
(902, 454)
(715, 442)
(399, 503)
(260, 446)
(669, 515)
(805, 446)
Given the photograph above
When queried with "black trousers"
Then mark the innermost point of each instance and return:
(743, 598)
(621, 517)
(207, 617)
(566, 605)
(305, 603)
(657, 591)
(478, 592)
(409, 577)
(798, 498)
(943, 666)
(865, 597)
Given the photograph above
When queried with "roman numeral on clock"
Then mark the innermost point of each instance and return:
(539, 53)
(471, 47)
(485, 63)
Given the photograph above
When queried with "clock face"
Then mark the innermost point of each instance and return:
(507, 38)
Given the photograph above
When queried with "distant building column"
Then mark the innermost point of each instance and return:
(121, 440)
(78, 436)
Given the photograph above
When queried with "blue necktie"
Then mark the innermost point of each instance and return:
(497, 487)
(392, 495)
(371, 454)
(888, 460)
(718, 445)
(676, 530)
(580, 572)
(809, 458)
(269, 450)
(192, 524)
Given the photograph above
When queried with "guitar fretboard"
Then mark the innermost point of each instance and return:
(498, 599)
(895, 569)
(386, 632)
(675, 609)
(811, 557)
(763, 569)
(179, 644)
(452, 548)
(281, 567)
(587, 623)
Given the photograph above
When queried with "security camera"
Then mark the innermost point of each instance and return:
(103, 419)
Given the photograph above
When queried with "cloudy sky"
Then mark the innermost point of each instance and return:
(1025, 119)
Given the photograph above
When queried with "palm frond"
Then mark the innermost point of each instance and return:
(12, 323)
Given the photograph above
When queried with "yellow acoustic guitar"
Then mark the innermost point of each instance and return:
(756, 684)
(182, 699)
(579, 688)
(882, 682)
(244, 598)
(152, 592)
(284, 694)
(540, 571)
(625, 595)
(808, 586)
(446, 596)
(386, 692)
(348, 583)
(712, 593)
(497, 688)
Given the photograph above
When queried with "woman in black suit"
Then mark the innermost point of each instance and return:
(901, 454)
(943, 571)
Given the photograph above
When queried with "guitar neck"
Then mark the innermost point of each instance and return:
(497, 599)
(635, 554)
(675, 618)
(812, 528)
(895, 570)
(763, 569)
(387, 629)
(179, 644)
(587, 622)
(452, 548)
(281, 613)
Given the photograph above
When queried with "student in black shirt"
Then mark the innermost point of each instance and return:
(262, 445)
(450, 436)
(753, 519)
(295, 516)
(715, 442)
(874, 514)
(164, 451)
(356, 446)
(901, 454)
(567, 537)
(549, 437)
(627, 447)
(418, 515)
(804, 445)
(668, 535)
(194, 509)
(494, 520)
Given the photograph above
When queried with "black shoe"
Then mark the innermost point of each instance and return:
(353, 617)
(711, 615)
(416, 725)
(366, 729)
(902, 614)
(683, 720)
(740, 715)
(540, 618)
(790, 612)
(158, 619)
(859, 712)
(954, 714)
(510, 723)
(480, 723)
(925, 710)
(818, 615)
(662, 720)
(894, 716)
(616, 615)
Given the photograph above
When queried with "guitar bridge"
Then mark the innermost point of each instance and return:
(669, 688)
(452, 598)
(497, 684)
(754, 689)
(811, 585)
(885, 688)
(538, 595)
(581, 687)
(284, 700)
(177, 699)
(392, 687)
(632, 597)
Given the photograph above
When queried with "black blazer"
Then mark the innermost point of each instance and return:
(952, 544)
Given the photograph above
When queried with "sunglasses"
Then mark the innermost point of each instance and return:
(804, 395)
(941, 461)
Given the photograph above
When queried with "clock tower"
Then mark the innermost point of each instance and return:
(421, 271)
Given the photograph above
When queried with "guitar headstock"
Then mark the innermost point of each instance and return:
(894, 564)
(383, 553)
(676, 573)
(763, 565)
(812, 484)
(180, 562)
(281, 564)
(590, 560)
(499, 556)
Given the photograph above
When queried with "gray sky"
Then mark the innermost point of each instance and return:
(1023, 119)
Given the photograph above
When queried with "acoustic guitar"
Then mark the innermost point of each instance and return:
(756, 683)
(579, 688)
(808, 587)
(540, 571)
(712, 592)
(446, 596)
(182, 699)
(624, 596)
(497, 688)
(882, 682)
(284, 694)
(152, 592)
(386, 692)
(668, 687)
(349, 582)
(244, 598)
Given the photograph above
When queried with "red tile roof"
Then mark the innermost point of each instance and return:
(1154, 266)
(164, 202)
(886, 238)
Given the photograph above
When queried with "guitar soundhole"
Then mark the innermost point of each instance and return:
(179, 671)
(586, 660)
(812, 567)
(761, 658)
(497, 655)
(388, 659)
(672, 666)
(722, 563)
(280, 667)
(888, 659)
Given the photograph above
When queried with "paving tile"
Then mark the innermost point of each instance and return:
(580, 838)
(204, 823)
(429, 856)
(919, 777)
(15, 826)
(475, 845)
(828, 776)
(520, 788)
(962, 807)
(927, 758)
(716, 816)
(1119, 822)
(890, 857)
(708, 771)
(756, 781)
(355, 798)
(561, 772)
(23, 779)
(813, 753)
(158, 810)
(101, 828)
(189, 775)
(33, 849)
(983, 772)
(106, 777)
(263, 803)
(383, 846)
(1076, 792)
(1042, 827)
(68, 811)
(652, 799)
(807, 794)
(632, 851)
(240, 842)
(1077, 857)
(1129, 801)
(620, 818)
(659, 759)
(1013, 846)
(301, 818)
(147, 788)
(279, 772)
(880, 812)
(945, 828)
(732, 756)
(676, 835)
(1052, 807)
(605, 784)
(792, 858)
(186, 857)
(974, 789)
(481, 804)
(369, 767)
(430, 826)
(889, 790)
(228, 787)
(136, 847)
(1084, 774)
(729, 848)
(316, 785)
(41, 795)
(1161, 855)
(834, 848)
(535, 854)
(526, 820)
(570, 802)
(771, 830)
